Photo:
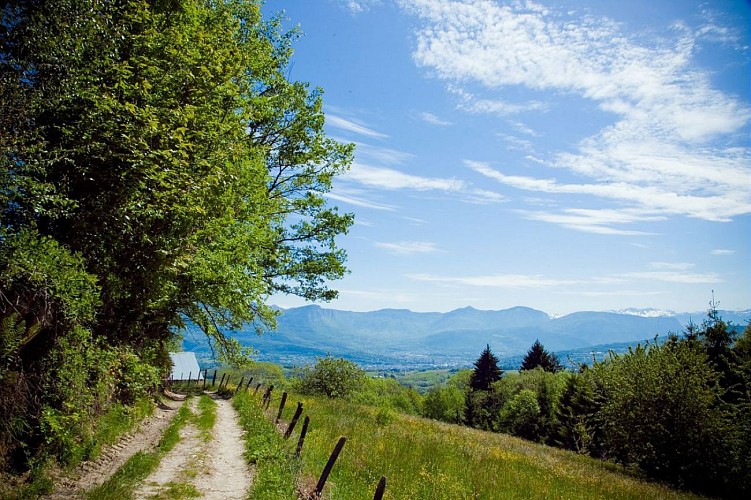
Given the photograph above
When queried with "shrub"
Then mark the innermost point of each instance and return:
(331, 377)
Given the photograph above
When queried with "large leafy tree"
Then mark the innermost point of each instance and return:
(156, 164)
(162, 142)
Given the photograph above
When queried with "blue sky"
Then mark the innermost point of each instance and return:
(565, 156)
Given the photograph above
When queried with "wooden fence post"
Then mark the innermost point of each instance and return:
(205, 376)
(303, 432)
(293, 422)
(258, 386)
(381, 489)
(268, 400)
(242, 379)
(281, 407)
(248, 384)
(221, 381)
(213, 380)
(327, 470)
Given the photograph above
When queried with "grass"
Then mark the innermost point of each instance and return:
(206, 417)
(137, 468)
(424, 459)
(273, 457)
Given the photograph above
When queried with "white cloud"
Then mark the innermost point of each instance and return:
(433, 119)
(675, 266)
(674, 277)
(357, 198)
(648, 199)
(408, 247)
(388, 178)
(473, 104)
(358, 6)
(671, 147)
(497, 280)
(722, 251)
(344, 124)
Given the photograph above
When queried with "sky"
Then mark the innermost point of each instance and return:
(561, 155)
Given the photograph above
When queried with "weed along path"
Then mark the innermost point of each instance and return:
(92, 474)
(188, 449)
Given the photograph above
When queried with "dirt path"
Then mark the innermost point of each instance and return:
(94, 473)
(213, 469)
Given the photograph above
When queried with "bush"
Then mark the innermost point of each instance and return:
(521, 415)
(662, 412)
(330, 377)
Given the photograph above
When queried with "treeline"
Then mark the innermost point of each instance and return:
(156, 165)
(679, 412)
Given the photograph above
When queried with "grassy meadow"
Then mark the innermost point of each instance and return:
(424, 459)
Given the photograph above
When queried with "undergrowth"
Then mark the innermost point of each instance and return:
(273, 457)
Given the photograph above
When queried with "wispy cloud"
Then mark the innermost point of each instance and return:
(497, 280)
(722, 251)
(408, 247)
(473, 104)
(389, 178)
(350, 126)
(673, 277)
(386, 156)
(675, 144)
(358, 198)
(611, 283)
(433, 119)
(675, 266)
(654, 199)
(358, 6)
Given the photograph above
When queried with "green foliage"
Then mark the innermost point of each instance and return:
(537, 356)
(662, 412)
(388, 394)
(445, 403)
(425, 459)
(486, 371)
(521, 415)
(138, 467)
(575, 429)
(268, 373)
(330, 377)
(276, 467)
(156, 164)
(206, 417)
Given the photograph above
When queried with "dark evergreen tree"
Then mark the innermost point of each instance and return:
(575, 414)
(538, 356)
(486, 371)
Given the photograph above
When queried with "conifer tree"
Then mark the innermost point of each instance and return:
(486, 371)
(538, 356)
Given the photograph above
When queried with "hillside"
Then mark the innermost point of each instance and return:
(391, 338)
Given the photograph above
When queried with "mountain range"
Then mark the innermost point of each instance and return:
(403, 339)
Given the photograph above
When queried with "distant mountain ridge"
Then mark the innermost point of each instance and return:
(400, 337)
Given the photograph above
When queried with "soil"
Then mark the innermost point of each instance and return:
(91, 474)
(213, 468)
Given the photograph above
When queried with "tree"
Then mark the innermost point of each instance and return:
(575, 426)
(662, 412)
(331, 377)
(445, 403)
(538, 356)
(161, 155)
(520, 416)
(486, 371)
